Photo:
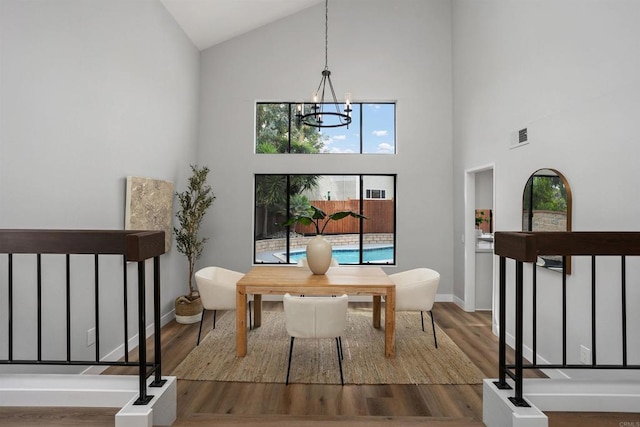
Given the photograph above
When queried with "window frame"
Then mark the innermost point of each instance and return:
(292, 122)
(361, 202)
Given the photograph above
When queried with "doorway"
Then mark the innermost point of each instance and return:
(479, 271)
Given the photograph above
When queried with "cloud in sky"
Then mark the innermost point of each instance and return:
(334, 138)
(385, 148)
(337, 150)
(380, 133)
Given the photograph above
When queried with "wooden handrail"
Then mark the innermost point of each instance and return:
(526, 246)
(136, 245)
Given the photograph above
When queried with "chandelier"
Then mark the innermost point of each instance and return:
(325, 113)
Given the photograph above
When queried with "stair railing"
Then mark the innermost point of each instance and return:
(526, 247)
(132, 246)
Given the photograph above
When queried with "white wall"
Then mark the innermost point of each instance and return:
(484, 189)
(379, 51)
(569, 72)
(91, 92)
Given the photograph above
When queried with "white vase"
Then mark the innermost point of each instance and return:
(319, 255)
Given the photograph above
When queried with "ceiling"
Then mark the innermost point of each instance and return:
(209, 22)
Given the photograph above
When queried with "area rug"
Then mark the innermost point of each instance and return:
(417, 360)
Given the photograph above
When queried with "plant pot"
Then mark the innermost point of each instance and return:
(188, 310)
(319, 255)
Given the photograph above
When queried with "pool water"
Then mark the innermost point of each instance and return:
(352, 255)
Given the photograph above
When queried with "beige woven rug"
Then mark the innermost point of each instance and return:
(417, 361)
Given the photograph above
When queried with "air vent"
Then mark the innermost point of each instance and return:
(519, 138)
(522, 136)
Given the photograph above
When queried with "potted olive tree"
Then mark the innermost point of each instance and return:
(194, 202)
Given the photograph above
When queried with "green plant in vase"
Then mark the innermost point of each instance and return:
(315, 215)
(319, 252)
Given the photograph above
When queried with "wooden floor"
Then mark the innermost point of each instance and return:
(204, 403)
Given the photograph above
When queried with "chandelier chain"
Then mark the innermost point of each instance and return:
(326, 34)
(319, 114)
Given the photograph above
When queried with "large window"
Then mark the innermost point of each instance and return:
(372, 131)
(354, 240)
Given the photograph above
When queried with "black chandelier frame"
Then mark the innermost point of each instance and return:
(319, 117)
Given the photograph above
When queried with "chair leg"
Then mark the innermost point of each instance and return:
(200, 330)
(433, 325)
(422, 320)
(340, 348)
(338, 345)
(289, 365)
(214, 319)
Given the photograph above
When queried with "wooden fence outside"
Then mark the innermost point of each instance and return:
(380, 214)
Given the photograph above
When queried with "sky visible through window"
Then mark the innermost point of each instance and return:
(378, 131)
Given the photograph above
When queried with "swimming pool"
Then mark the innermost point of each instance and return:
(347, 255)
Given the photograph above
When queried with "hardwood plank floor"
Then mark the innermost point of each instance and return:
(203, 403)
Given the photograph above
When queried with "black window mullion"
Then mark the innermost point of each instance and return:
(361, 140)
(361, 211)
(289, 136)
(288, 236)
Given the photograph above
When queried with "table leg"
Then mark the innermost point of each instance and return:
(376, 311)
(390, 324)
(241, 323)
(257, 310)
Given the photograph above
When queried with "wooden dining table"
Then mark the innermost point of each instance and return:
(350, 280)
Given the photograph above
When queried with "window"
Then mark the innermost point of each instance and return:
(372, 131)
(375, 194)
(354, 241)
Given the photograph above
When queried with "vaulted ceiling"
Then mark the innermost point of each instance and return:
(209, 22)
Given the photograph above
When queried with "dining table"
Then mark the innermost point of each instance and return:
(350, 280)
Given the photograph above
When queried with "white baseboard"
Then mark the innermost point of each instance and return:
(444, 298)
(565, 395)
(459, 302)
(97, 391)
(118, 352)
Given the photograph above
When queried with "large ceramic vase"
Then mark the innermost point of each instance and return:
(319, 255)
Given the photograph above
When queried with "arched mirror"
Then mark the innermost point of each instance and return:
(546, 206)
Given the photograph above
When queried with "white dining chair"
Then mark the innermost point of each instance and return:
(416, 291)
(217, 288)
(316, 317)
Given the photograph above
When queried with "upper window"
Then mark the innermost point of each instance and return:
(372, 131)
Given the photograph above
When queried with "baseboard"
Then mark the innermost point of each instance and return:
(118, 352)
(459, 302)
(445, 298)
(97, 391)
(563, 395)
